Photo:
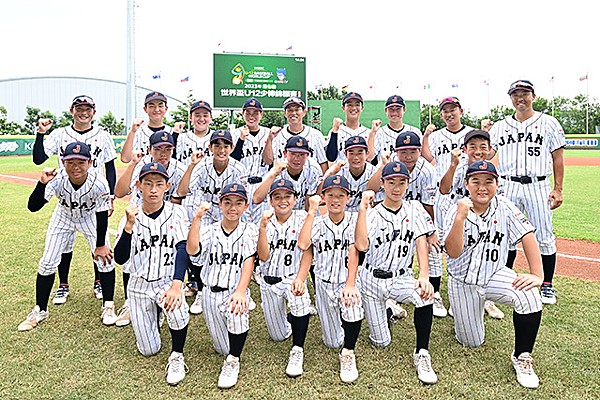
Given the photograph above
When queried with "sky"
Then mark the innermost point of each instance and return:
(378, 48)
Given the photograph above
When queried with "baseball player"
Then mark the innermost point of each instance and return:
(196, 140)
(530, 148)
(294, 110)
(390, 234)
(336, 264)
(226, 249)
(250, 145)
(299, 169)
(482, 227)
(152, 241)
(383, 138)
(83, 110)
(83, 203)
(280, 260)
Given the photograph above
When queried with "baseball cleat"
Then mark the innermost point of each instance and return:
(312, 310)
(294, 367)
(229, 372)
(398, 312)
(62, 293)
(251, 304)
(196, 307)
(450, 312)
(548, 294)
(98, 290)
(33, 319)
(492, 310)
(176, 368)
(438, 306)
(124, 317)
(348, 371)
(425, 372)
(523, 366)
(108, 315)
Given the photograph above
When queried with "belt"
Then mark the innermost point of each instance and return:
(217, 289)
(381, 274)
(255, 179)
(524, 179)
(273, 280)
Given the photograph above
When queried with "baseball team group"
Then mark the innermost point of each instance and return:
(209, 211)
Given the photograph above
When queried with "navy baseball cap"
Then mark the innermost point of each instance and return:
(83, 100)
(160, 138)
(521, 84)
(221, 134)
(282, 184)
(297, 144)
(294, 100)
(154, 168)
(352, 96)
(200, 104)
(252, 103)
(408, 140)
(77, 150)
(395, 169)
(234, 189)
(395, 100)
(155, 96)
(449, 100)
(476, 133)
(482, 167)
(355, 141)
(336, 181)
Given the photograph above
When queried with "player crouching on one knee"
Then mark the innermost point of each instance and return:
(83, 204)
(280, 260)
(389, 234)
(152, 239)
(226, 249)
(483, 226)
(331, 237)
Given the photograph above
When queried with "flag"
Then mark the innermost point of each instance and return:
(345, 88)
(156, 76)
(186, 79)
(455, 85)
(428, 86)
(552, 79)
(583, 78)
(486, 83)
(371, 87)
(289, 48)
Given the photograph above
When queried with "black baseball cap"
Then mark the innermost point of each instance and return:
(200, 104)
(521, 84)
(481, 167)
(294, 100)
(154, 168)
(297, 144)
(221, 134)
(408, 140)
(155, 96)
(234, 189)
(282, 184)
(352, 96)
(83, 100)
(334, 181)
(252, 103)
(476, 133)
(395, 169)
(77, 150)
(395, 100)
(355, 141)
(449, 100)
(160, 138)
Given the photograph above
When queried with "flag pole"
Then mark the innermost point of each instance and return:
(587, 102)
(553, 95)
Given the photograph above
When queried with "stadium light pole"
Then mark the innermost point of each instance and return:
(130, 96)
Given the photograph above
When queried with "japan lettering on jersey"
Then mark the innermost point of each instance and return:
(393, 235)
(102, 146)
(525, 148)
(284, 259)
(331, 242)
(344, 134)
(252, 151)
(442, 142)
(153, 241)
(176, 170)
(188, 143)
(223, 254)
(423, 183)
(141, 140)
(92, 197)
(487, 238)
(385, 138)
(306, 184)
(357, 184)
(313, 137)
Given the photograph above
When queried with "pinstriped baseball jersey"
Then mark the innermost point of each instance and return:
(345, 133)
(306, 184)
(525, 148)
(486, 240)
(153, 242)
(442, 142)
(223, 254)
(102, 147)
(393, 235)
(330, 247)
(141, 140)
(313, 136)
(458, 189)
(357, 184)
(284, 259)
(176, 170)
(188, 143)
(252, 151)
(423, 183)
(385, 138)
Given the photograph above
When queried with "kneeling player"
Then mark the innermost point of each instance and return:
(482, 229)
(153, 242)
